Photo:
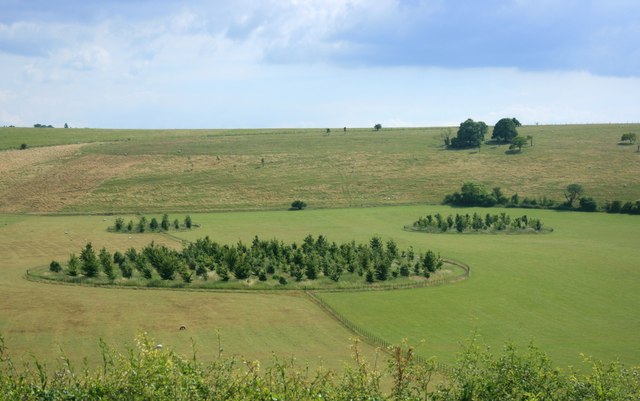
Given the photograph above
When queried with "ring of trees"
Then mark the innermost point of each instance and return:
(490, 223)
(316, 263)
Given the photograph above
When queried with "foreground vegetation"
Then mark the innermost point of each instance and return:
(150, 372)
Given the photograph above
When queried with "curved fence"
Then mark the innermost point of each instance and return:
(373, 339)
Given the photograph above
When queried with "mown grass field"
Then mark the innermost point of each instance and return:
(575, 290)
(131, 171)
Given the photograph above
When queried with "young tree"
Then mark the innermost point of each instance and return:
(142, 224)
(107, 264)
(518, 142)
(119, 224)
(572, 192)
(176, 224)
(187, 222)
(154, 224)
(165, 222)
(90, 265)
(73, 265)
(505, 130)
(54, 266)
(130, 226)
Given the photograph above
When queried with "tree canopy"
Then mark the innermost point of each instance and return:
(573, 192)
(470, 134)
(505, 130)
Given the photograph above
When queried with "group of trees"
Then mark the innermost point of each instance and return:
(471, 134)
(476, 194)
(312, 259)
(617, 206)
(476, 223)
(143, 224)
(42, 126)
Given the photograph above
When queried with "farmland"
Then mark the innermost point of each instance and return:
(571, 291)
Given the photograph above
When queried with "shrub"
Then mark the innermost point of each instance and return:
(23, 146)
(55, 266)
(298, 205)
(588, 204)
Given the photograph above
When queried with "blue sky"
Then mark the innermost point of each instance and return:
(331, 63)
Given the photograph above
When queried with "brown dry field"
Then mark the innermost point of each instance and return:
(363, 168)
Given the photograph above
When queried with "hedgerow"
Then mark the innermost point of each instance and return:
(151, 372)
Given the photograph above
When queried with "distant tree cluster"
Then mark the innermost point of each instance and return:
(476, 223)
(42, 126)
(471, 134)
(143, 224)
(314, 258)
(617, 206)
(476, 194)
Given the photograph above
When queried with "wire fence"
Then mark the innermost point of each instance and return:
(373, 339)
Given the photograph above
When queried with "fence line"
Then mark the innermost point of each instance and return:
(372, 338)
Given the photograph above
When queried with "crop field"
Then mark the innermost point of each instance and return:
(575, 290)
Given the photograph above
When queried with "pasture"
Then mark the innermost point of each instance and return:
(104, 171)
(572, 291)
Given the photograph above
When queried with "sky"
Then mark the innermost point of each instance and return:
(317, 63)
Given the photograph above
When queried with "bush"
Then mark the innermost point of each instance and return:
(588, 204)
(298, 205)
(55, 266)
(23, 146)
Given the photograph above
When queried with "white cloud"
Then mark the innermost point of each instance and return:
(275, 63)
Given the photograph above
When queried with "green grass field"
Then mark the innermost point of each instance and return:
(574, 290)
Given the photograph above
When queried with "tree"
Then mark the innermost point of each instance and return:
(23, 146)
(73, 265)
(298, 205)
(630, 137)
(119, 224)
(188, 222)
(572, 192)
(154, 224)
(107, 265)
(142, 224)
(165, 222)
(505, 130)
(54, 266)
(90, 265)
(518, 142)
(176, 224)
(470, 134)
(66, 125)
(377, 127)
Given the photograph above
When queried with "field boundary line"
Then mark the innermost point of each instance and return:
(369, 337)
(30, 276)
(373, 339)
